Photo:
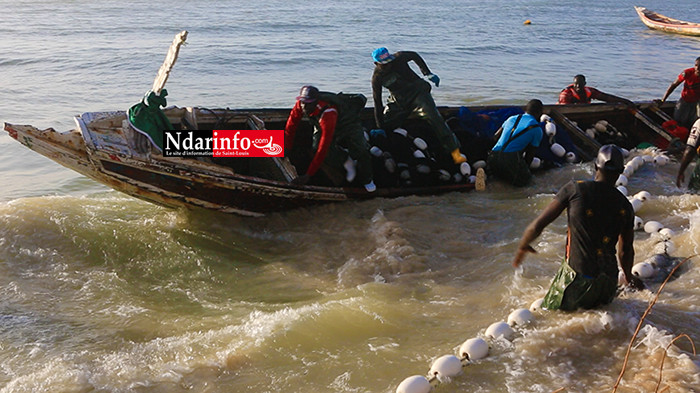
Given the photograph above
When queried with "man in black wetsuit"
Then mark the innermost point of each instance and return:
(599, 216)
(408, 94)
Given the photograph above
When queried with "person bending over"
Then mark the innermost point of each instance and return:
(337, 126)
(408, 93)
(518, 139)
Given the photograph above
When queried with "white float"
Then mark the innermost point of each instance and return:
(446, 366)
(625, 152)
(444, 175)
(665, 247)
(414, 384)
(601, 126)
(571, 157)
(642, 196)
(420, 143)
(457, 178)
(628, 171)
(401, 132)
(656, 260)
(520, 317)
(472, 179)
(474, 349)
(389, 164)
(622, 190)
(465, 169)
(643, 270)
(375, 151)
(647, 158)
(591, 133)
(537, 304)
(536, 162)
(636, 204)
(638, 162)
(479, 164)
(418, 154)
(653, 226)
(661, 160)
(550, 129)
(638, 223)
(666, 233)
(423, 169)
(558, 150)
(499, 329)
(545, 118)
(621, 180)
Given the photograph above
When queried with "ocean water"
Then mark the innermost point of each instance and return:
(100, 292)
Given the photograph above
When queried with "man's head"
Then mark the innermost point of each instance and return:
(382, 56)
(609, 161)
(308, 96)
(579, 82)
(534, 107)
(697, 66)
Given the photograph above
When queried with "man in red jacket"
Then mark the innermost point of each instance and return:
(688, 106)
(579, 93)
(338, 137)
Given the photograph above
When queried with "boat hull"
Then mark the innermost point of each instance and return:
(100, 147)
(660, 22)
(178, 184)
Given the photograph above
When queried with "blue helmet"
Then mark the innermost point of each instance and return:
(382, 55)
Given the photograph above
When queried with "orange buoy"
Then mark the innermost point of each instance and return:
(527, 22)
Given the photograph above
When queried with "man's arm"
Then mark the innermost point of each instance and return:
(549, 214)
(671, 88)
(611, 98)
(625, 253)
(328, 120)
(377, 97)
(290, 128)
(409, 55)
(688, 156)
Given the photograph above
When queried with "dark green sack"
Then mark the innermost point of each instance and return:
(147, 118)
(570, 290)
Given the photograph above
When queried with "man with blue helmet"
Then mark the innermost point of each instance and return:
(409, 93)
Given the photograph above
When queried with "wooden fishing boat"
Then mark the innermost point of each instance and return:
(104, 147)
(656, 21)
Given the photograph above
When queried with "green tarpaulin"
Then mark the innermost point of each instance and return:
(147, 118)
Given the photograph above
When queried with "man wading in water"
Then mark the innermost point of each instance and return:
(599, 216)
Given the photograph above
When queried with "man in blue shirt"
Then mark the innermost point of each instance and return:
(518, 139)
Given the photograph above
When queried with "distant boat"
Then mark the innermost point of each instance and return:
(657, 21)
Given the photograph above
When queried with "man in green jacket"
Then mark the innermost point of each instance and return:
(408, 93)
